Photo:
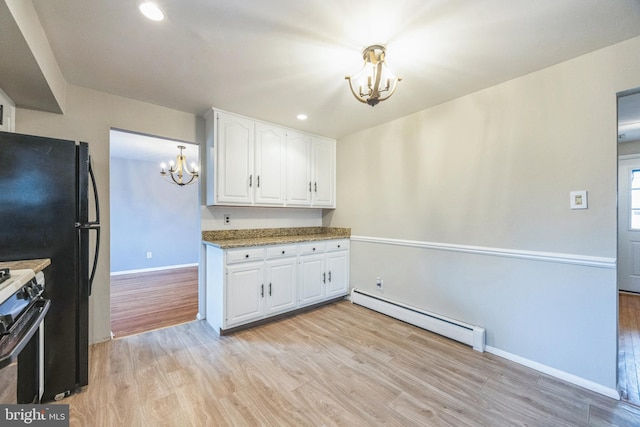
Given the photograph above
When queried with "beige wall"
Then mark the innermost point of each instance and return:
(491, 172)
(88, 117)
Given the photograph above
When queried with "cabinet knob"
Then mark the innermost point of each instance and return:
(338, 246)
(246, 256)
(282, 252)
(314, 249)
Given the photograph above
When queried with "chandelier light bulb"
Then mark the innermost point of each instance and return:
(152, 11)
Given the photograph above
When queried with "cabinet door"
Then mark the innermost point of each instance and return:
(270, 157)
(280, 285)
(299, 178)
(337, 273)
(235, 154)
(311, 278)
(245, 292)
(323, 167)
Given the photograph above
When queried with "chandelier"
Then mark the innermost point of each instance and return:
(178, 171)
(374, 83)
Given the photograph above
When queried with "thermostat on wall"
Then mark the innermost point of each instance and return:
(578, 199)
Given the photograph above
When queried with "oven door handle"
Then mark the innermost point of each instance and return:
(22, 331)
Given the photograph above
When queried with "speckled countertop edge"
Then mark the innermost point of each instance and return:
(27, 264)
(225, 239)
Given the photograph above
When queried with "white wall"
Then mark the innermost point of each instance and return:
(89, 115)
(475, 193)
(149, 214)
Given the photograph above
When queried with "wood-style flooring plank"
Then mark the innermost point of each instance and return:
(141, 302)
(629, 347)
(339, 365)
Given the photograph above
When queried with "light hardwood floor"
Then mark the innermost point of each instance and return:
(141, 302)
(629, 347)
(341, 365)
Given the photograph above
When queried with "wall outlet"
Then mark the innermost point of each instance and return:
(578, 199)
(149, 255)
(227, 219)
(379, 283)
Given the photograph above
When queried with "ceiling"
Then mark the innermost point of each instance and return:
(274, 59)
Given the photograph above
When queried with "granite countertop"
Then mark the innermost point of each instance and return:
(28, 264)
(225, 239)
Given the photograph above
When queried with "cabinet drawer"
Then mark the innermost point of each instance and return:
(244, 254)
(337, 245)
(282, 251)
(312, 248)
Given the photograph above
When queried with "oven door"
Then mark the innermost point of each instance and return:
(21, 356)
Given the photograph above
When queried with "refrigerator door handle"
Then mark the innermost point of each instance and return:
(95, 194)
(94, 225)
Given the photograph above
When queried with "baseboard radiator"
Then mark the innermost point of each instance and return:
(473, 336)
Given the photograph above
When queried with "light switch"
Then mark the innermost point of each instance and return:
(578, 199)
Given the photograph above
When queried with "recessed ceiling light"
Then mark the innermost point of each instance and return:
(301, 117)
(152, 11)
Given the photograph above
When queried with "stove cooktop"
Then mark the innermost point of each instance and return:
(4, 274)
(17, 279)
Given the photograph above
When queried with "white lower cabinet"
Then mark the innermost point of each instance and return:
(312, 276)
(280, 284)
(337, 273)
(323, 270)
(249, 284)
(245, 286)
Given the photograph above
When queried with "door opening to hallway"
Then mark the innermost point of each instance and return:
(628, 259)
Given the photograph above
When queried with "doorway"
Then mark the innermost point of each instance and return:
(155, 236)
(628, 264)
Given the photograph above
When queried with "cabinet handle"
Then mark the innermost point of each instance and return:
(309, 186)
(258, 181)
(324, 277)
(269, 289)
(329, 276)
(315, 187)
(250, 180)
(262, 290)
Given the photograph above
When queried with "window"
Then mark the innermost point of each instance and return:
(635, 199)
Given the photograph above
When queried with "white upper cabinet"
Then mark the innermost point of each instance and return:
(311, 171)
(324, 172)
(270, 156)
(299, 179)
(235, 159)
(252, 163)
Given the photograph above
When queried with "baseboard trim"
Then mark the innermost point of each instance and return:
(148, 270)
(583, 260)
(565, 376)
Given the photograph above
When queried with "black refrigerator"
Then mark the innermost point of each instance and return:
(44, 213)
